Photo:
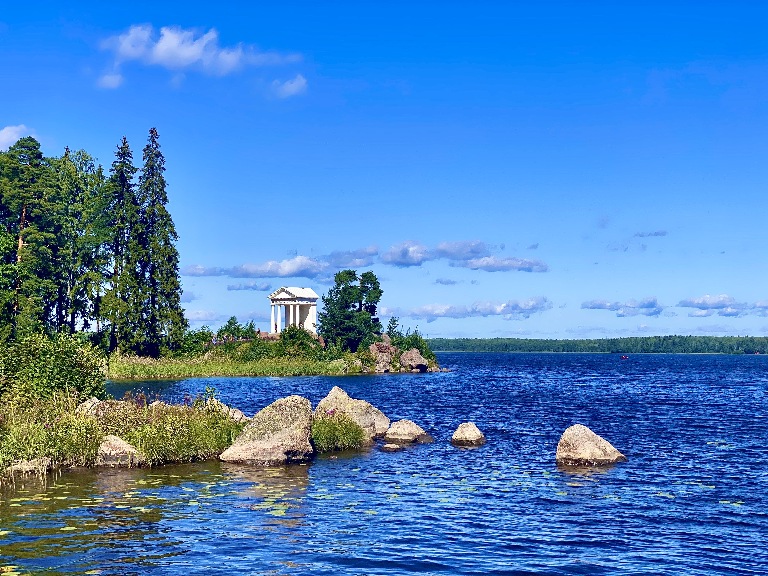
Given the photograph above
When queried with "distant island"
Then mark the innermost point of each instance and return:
(631, 345)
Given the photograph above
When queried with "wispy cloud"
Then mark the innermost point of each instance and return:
(446, 281)
(644, 307)
(512, 309)
(288, 88)
(256, 286)
(179, 49)
(352, 258)
(494, 264)
(472, 254)
(656, 234)
(721, 305)
(203, 316)
(297, 267)
(10, 134)
(187, 297)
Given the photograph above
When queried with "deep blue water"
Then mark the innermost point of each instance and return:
(692, 499)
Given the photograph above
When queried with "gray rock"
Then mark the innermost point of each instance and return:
(88, 407)
(383, 354)
(233, 413)
(467, 434)
(406, 432)
(391, 447)
(278, 434)
(37, 466)
(115, 452)
(579, 446)
(414, 361)
(372, 420)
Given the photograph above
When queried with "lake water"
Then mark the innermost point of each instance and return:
(693, 498)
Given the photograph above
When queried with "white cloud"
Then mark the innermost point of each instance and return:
(722, 305)
(110, 80)
(644, 307)
(175, 48)
(298, 266)
(203, 316)
(256, 286)
(408, 253)
(464, 250)
(512, 309)
(494, 264)
(10, 134)
(352, 258)
(293, 87)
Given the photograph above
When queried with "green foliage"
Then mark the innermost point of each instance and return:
(409, 340)
(47, 428)
(348, 319)
(40, 366)
(295, 342)
(233, 330)
(195, 342)
(166, 433)
(336, 431)
(634, 345)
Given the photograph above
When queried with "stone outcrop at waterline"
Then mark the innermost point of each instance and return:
(579, 446)
(467, 434)
(278, 434)
(372, 420)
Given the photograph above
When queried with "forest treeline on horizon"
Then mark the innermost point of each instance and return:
(82, 251)
(628, 345)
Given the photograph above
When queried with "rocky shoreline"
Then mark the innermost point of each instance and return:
(280, 434)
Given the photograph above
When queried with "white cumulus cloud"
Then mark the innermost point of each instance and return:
(177, 49)
(292, 87)
(512, 309)
(10, 134)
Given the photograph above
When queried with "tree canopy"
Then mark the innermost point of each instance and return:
(80, 252)
(348, 319)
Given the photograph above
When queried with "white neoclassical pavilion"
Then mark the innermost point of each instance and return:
(299, 309)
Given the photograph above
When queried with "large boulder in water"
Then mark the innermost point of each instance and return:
(579, 446)
(372, 420)
(413, 360)
(278, 434)
(467, 434)
(406, 432)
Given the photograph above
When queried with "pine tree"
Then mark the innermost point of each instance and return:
(164, 322)
(118, 303)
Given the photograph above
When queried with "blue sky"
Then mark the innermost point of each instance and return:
(539, 169)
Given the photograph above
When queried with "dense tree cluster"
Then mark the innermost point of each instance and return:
(348, 319)
(81, 251)
(637, 345)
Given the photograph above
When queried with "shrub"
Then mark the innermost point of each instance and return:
(47, 428)
(336, 431)
(166, 433)
(297, 342)
(38, 366)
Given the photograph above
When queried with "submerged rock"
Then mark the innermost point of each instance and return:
(406, 432)
(467, 434)
(278, 434)
(117, 453)
(413, 360)
(579, 446)
(391, 447)
(372, 420)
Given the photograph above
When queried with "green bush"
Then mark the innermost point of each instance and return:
(38, 366)
(47, 428)
(166, 433)
(336, 431)
(296, 342)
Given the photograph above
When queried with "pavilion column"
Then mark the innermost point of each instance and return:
(279, 321)
(272, 325)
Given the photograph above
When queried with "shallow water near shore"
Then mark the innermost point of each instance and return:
(693, 498)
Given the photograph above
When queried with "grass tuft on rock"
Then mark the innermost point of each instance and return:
(336, 431)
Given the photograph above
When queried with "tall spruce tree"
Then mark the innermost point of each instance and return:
(120, 304)
(164, 323)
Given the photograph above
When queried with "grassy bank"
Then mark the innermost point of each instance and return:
(135, 368)
(53, 431)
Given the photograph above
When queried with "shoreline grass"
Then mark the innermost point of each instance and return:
(127, 368)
